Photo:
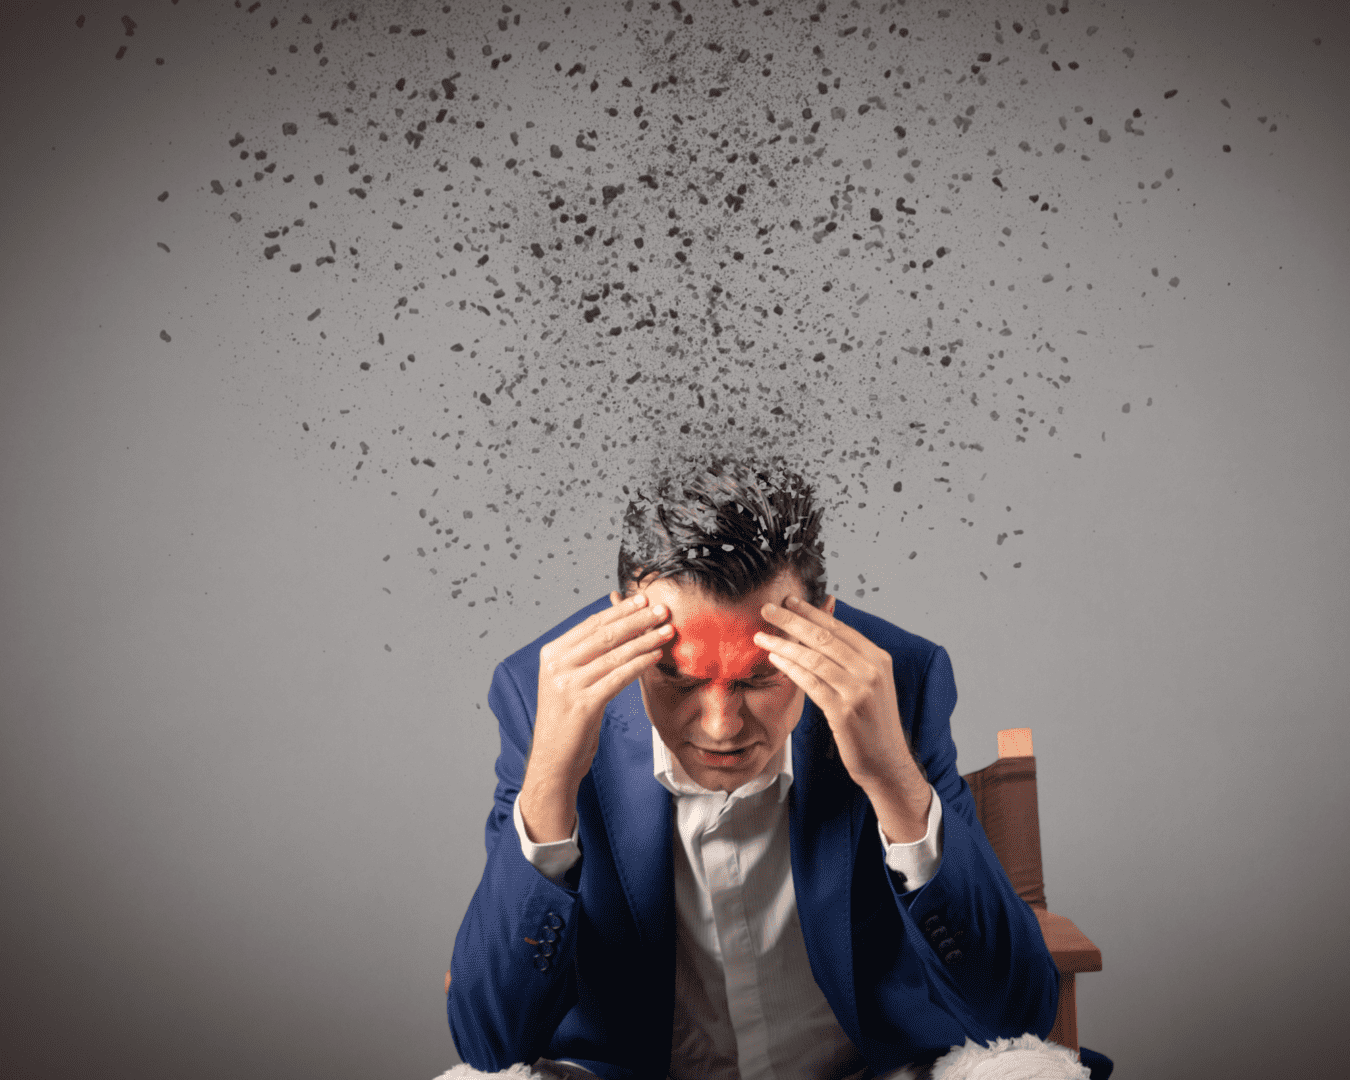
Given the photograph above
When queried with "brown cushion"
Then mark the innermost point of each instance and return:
(1005, 801)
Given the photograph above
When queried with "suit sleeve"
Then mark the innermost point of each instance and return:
(980, 943)
(512, 968)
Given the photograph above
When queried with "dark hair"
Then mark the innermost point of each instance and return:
(727, 526)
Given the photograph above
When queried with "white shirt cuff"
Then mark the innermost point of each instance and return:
(917, 862)
(552, 860)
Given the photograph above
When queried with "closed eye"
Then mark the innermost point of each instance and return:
(760, 683)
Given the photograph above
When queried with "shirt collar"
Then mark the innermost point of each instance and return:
(671, 775)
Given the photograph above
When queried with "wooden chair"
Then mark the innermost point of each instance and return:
(1005, 801)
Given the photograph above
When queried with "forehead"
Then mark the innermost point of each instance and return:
(714, 639)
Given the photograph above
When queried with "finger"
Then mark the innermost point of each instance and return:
(610, 636)
(606, 617)
(816, 688)
(824, 667)
(609, 686)
(652, 638)
(818, 630)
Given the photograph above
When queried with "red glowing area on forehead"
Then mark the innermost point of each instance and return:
(719, 646)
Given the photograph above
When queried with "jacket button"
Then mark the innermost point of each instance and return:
(546, 949)
(540, 962)
(937, 934)
(952, 957)
(553, 920)
(931, 922)
(945, 943)
(549, 934)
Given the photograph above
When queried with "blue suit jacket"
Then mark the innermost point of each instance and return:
(585, 970)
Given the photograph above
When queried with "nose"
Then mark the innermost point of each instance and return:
(720, 714)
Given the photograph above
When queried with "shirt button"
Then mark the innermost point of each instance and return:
(540, 962)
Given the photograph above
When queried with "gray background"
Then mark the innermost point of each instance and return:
(238, 834)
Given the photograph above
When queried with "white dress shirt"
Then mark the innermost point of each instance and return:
(746, 1004)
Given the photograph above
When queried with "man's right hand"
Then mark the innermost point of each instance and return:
(579, 674)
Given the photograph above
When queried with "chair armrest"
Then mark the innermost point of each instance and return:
(1069, 946)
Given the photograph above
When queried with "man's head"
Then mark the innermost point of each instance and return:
(727, 526)
(714, 548)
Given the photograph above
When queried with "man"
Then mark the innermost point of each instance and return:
(729, 837)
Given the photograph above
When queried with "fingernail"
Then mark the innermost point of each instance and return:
(639, 599)
(659, 610)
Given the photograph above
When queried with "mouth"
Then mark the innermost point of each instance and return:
(722, 757)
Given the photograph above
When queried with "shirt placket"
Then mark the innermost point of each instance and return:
(726, 876)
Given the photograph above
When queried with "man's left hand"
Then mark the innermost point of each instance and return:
(850, 678)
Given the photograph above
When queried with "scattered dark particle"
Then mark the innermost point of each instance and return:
(485, 399)
(295, 268)
(818, 357)
(387, 648)
(1104, 135)
(912, 554)
(217, 187)
(941, 252)
(164, 336)
(555, 151)
(238, 138)
(1017, 28)
(1055, 64)
(254, 6)
(79, 21)
(163, 245)
(314, 314)
(1174, 282)
(163, 195)
(453, 348)
(121, 53)
(318, 179)
(1125, 408)
(1170, 94)
(289, 129)
(1224, 103)
(130, 25)
(1227, 149)
(159, 60)
(236, 215)
(536, 251)
(875, 214)
(998, 181)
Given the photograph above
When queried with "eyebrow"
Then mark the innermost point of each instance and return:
(762, 670)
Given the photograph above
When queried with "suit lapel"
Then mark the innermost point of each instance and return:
(826, 815)
(638, 817)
